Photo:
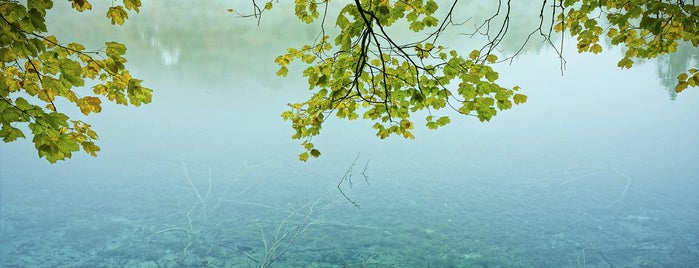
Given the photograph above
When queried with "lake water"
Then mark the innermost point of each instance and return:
(598, 169)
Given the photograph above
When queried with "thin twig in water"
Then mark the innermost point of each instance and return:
(287, 232)
(626, 188)
(197, 227)
(348, 178)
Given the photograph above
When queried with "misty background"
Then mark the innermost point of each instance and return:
(597, 168)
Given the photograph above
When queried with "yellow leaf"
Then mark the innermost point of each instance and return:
(132, 4)
(625, 63)
(92, 69)
(268, 5)
(50, 41)
(558, 27)
(474, 54)
(694, 80)
(91, 133)
(90, 147)
(491, 58)
(117, 15)
(81, 5)
(680, 87)
(282, 60)
(89, 104)
(282, 71)
(100, 89)
(406, 124)
(408, 135)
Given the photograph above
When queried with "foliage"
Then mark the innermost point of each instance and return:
(645, 28)
(363, 71)
(38, 70)
(360, 69)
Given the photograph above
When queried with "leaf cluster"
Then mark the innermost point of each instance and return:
(645, 28)
(37, 70)
(364, 72)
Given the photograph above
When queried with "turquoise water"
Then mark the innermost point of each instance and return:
(598, 168)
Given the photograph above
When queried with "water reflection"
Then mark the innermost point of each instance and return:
(670, 66)
(219, 38)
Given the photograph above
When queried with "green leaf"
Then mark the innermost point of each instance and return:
(443, 120)
(430, 21)
(315, 153)
(416, 26)
(491, 58)
(9, 133)
(519, 98)
(431, 6)
(474, 54)
(56, 120)
(432, 125)
(341, 21)
(491, 76)
(40, 5)
(74, 46)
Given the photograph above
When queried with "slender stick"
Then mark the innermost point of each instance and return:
(196, 191)
(626, 188)
(348, 178)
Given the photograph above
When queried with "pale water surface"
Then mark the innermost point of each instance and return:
(598, 169)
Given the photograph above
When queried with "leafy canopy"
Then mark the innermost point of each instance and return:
(38, 69)
(645, 28)
(363, 72)
(360, 70)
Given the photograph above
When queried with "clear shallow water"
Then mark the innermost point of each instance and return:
(597, 169)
